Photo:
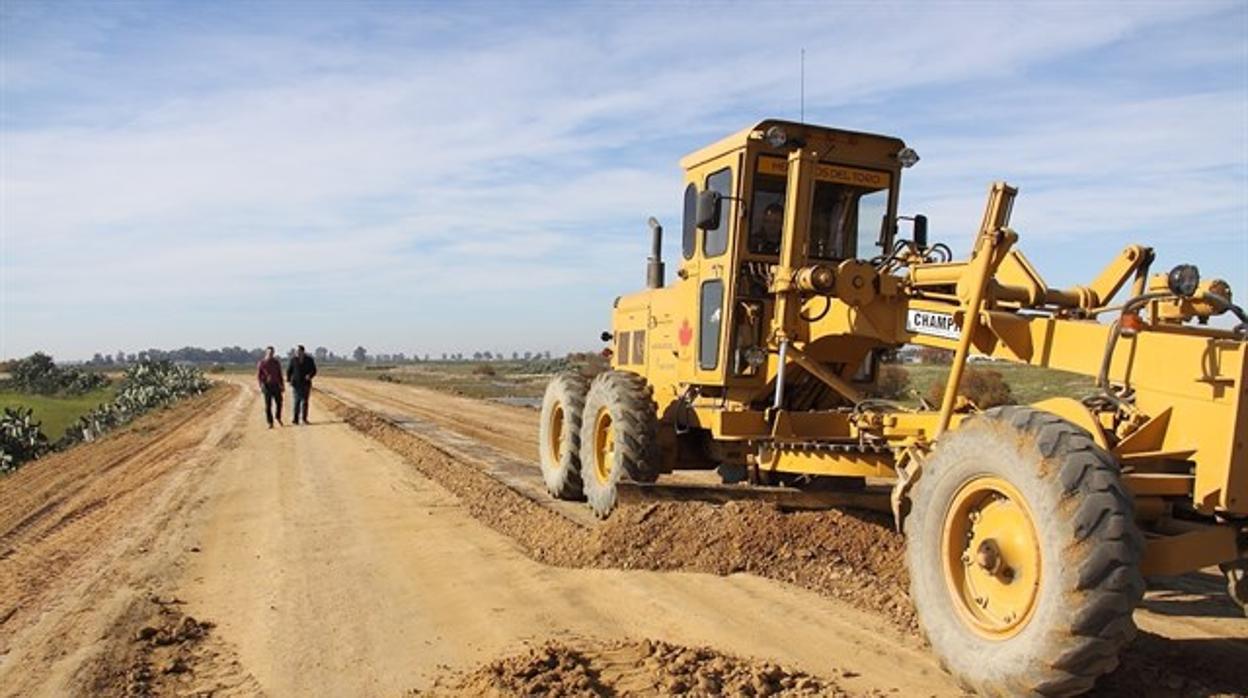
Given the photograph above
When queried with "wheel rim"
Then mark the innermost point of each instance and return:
(604, 446)
(991, 557)
(556, 434)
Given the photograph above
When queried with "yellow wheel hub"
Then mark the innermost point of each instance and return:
(556, 433)
(991, 557)
(604, 446)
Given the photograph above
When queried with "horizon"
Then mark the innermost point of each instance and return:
(442, 178)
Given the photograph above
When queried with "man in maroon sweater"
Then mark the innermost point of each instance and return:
(269, 374)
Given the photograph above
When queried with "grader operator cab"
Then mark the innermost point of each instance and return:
(1029, 529)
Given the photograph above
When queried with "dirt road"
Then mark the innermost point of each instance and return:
(198, 550)
(329, 566)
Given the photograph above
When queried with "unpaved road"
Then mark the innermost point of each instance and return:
(317, 561)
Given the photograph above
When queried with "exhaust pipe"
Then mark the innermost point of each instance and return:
(654, 264)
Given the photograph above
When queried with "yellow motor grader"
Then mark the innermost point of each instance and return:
(1030, 528)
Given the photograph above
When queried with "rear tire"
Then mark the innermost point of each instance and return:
(559, 435)
(618, 437)
(1024, 555)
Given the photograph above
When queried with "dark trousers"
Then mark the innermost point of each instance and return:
(300, 410)
(272, 394)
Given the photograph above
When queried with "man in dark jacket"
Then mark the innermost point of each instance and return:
(269, 375)
(299, 372)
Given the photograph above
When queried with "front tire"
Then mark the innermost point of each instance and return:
(559, 434)
(1024, 555)
(619, 437)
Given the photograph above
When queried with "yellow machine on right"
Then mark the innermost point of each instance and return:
(1030, 529)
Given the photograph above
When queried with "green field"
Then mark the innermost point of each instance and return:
(57, 413)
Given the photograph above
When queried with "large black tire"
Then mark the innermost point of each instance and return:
(1087, 580)
(559, 434)
(618, 437)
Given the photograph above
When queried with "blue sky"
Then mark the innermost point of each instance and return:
(426, 177)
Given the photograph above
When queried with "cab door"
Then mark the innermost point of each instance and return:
(715, 256)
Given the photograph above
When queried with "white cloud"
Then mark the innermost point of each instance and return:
(470, 156)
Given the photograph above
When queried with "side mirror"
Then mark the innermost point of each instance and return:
(710, 207)
(920, 231)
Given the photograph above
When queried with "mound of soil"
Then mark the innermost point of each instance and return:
(160, 657)
(642, 668)
(857, 557)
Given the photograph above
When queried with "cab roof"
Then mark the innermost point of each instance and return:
(741, 138)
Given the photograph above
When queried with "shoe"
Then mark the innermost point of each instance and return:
(270, 425)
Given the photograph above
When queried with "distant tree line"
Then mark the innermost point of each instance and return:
(241, 355)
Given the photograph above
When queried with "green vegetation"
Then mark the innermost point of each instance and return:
(146, 386)
(1027, 383)
(38, 374)
(20, 438)
(57, 412)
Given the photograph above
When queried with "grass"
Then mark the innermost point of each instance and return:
(57, 413)
(1028, 383)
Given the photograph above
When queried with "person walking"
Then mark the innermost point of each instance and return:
(299, 373)
(269, 375)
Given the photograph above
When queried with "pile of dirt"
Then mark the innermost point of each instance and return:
(856, 557)
(157, 650)
(640, 668)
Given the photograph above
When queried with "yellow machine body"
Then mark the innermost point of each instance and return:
(759, 350)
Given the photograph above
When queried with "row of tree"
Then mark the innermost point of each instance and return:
(240, 355)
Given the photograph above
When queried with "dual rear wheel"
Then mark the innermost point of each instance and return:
(595, 434)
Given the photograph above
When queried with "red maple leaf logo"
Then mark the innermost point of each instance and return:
(686, 333)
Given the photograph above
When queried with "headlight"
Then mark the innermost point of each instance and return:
(907, 157)
(1184, 280)
(776, 137)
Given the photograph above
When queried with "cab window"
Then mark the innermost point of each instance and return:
(766, 214)
(716, 241)
(843, 216)
(689, 234)
(710, 317)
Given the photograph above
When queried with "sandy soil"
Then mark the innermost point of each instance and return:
(198, 552)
